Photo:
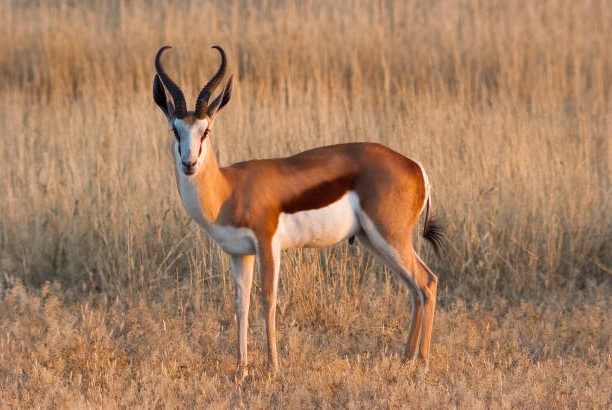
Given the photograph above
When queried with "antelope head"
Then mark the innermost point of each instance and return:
(191, 128)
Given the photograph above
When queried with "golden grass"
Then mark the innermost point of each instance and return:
(62, 350)
(109, 296)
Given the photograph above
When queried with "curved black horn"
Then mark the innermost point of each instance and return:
(180, 109)
(204, 96)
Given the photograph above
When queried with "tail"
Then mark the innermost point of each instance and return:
(433, 231)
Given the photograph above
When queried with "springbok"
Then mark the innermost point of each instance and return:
(316, 198)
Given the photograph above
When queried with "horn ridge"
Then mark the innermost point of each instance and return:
(180, 110)
(202, 101)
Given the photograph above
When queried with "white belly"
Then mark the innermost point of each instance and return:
(319, 227)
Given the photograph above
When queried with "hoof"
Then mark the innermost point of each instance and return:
(420, 360)
(241, 374)
(273, 369)
(408, 358)
(424, 362)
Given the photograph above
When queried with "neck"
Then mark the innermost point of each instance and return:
(204, 193)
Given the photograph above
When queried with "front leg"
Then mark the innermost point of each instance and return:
(242, 266)
(269, 265)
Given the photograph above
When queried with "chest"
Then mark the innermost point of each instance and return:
(231, 239)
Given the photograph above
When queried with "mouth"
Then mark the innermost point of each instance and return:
(189, 171)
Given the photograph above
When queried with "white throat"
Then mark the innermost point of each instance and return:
(191, 197)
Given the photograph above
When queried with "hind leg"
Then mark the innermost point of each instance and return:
(424, 289)
(427, 283)
(395, 250)
(390, 259)
(415, 322)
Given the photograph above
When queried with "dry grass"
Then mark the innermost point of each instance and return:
(110, 297)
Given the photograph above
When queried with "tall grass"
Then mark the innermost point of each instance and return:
(508, 105)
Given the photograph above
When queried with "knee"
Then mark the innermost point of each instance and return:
(239, 302)
(268, 298)
(432, 281)
(430, 288)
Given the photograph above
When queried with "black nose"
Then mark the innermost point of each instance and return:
(188, 167)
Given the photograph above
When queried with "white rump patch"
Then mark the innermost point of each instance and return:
(427, 186)
(321, 227)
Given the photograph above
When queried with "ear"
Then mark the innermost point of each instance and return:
(227, 92)
(221, 100)
(159, 95)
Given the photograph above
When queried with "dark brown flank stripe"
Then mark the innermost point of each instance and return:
(320, 195)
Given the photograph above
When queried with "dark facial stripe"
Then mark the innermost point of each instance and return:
(320, 195)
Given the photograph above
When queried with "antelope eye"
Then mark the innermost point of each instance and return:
(205, 134)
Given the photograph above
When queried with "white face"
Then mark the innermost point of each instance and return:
(189, 145)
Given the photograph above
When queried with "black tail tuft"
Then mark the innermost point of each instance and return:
(434, 234)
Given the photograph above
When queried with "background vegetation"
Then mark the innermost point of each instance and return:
(110, 296)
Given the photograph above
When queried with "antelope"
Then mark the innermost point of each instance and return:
(316, 198)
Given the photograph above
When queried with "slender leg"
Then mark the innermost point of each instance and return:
(389, 257)
(415, 323)
(427, 281)
(242, 265)
(400, 257)
(269, 258)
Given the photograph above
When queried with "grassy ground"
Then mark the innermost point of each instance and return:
(110, 296)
